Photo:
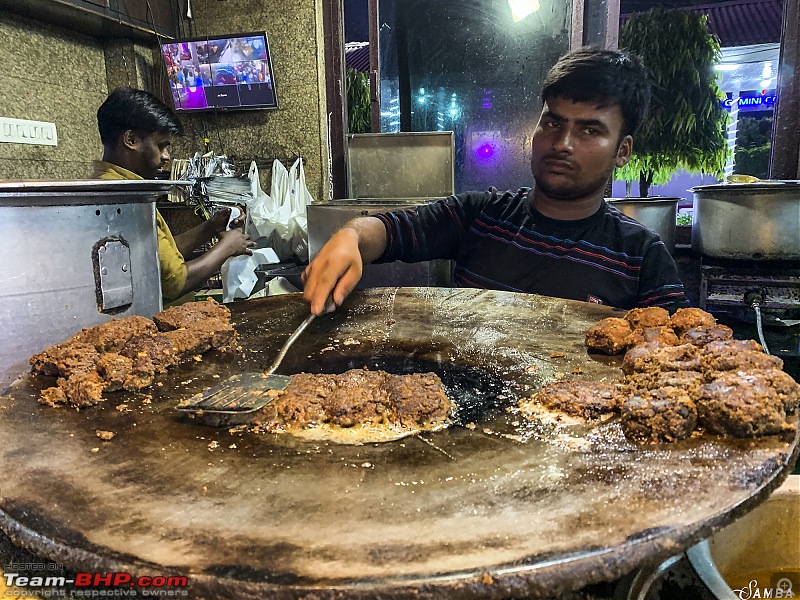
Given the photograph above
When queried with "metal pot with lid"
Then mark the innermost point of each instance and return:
(747, 221)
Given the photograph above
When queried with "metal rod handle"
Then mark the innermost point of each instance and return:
(288, 344)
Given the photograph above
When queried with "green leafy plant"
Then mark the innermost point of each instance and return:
(753, 140)
(358, 104)
(685, 128)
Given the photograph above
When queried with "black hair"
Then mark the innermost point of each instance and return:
(605, 78)
(137, 110)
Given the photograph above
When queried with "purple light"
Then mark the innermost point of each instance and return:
(485, 152)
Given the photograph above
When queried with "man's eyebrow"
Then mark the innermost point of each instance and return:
(580, 122)
(556, 117)
(592, 123)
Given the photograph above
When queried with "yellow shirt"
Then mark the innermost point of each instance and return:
(173, 265)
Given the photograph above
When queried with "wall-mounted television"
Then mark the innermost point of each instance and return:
(221, 72)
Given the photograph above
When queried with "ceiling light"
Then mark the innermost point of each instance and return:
(522, 8)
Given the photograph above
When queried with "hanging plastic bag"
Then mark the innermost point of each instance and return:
(279, 220)
(298, 198)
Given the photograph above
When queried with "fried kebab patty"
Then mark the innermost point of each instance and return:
(128, 353)
(609, 336)
(359, 397)
(583, 399)
(683, 373)
(742, 405)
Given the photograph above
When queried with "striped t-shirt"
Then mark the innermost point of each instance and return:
(500, 242)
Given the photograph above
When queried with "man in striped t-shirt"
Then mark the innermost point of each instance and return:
(557, 238)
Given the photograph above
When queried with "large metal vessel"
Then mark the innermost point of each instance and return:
(75, 254)
(658, 214)
(747, 220)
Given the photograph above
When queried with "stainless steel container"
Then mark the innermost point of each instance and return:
(325, 218)
(747, 220)
(416, 164)
(657, 213)
(74, 254)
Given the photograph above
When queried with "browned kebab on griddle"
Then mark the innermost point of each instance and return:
(681, 374)
(129, 353)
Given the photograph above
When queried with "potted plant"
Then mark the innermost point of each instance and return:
(686, 125)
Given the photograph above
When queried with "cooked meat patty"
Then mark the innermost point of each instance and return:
(62, 360)
(638, 352)
(787, 388)
(113, 335)
(665, 335)
(127, 353)
(189, 342)
(667, 358)
(82, 389)
(687, 381)
(184, 315)
(359, 397)
(689, 366)
(220, 334)
(418, 399)
(652, 316)
(685, 319)
(729, 356)
(123, 373)
(608, 336)
(659, 415)
(157, 349)
(578, 398)
(700, 336)
(727, 346)
(741, 405)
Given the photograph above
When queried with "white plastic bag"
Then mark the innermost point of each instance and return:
(239, 273)
(279, 220)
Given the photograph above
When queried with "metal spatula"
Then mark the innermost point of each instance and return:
(235, 399)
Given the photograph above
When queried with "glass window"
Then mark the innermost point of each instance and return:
(474, 67)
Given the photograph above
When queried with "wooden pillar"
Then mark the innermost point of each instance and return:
(785, 153)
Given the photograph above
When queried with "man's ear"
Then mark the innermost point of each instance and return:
(624, 151)
(130, 139)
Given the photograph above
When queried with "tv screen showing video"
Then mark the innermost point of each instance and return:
(224, 72)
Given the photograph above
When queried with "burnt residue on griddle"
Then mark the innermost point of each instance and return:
(246, 573)
(754, 476)
(478, 394)
(62, 543)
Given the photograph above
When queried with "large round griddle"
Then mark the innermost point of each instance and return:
(541, 509)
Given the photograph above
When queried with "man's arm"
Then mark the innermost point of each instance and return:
(231, 243)
(338, 266)
(190, 240)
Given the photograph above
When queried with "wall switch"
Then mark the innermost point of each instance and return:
(22, 131)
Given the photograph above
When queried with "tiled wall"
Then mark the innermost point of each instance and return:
(294, 28)
(55, 75)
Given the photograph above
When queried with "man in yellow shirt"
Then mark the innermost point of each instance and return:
(136, 129)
